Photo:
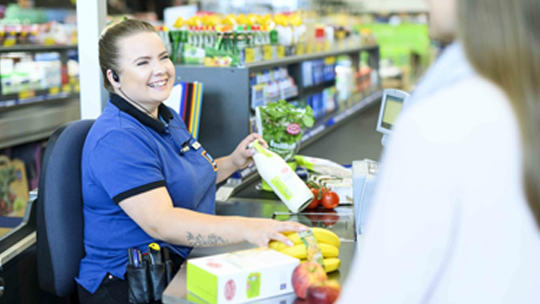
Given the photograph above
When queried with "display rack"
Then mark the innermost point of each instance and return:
(226, 109)
(33, 115)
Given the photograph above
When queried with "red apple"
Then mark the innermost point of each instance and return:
(305, 275)
(324, 292)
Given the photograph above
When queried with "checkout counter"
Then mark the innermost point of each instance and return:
(355, 139)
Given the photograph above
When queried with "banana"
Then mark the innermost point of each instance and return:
(299, 251)
(330, 264)
(322, 235)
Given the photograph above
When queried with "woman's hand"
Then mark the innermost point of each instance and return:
(241, 156)
(261, 231)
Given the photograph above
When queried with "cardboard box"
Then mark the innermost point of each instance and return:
(240, 276)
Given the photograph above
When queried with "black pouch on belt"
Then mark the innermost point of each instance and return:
(159, 280)
(139, 288)
(170, 268)
(156, 269)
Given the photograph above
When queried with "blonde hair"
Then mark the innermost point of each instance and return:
(502, 41)
(109, 50)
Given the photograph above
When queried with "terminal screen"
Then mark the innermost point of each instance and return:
(392, 109)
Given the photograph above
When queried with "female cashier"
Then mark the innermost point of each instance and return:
(145, 179)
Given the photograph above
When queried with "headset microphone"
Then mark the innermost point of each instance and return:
(140, 106)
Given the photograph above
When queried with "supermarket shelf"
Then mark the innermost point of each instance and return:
(37, 48)
(36, 122)
(32, 97)
(318, 88)
(288, 60)
(301, 58)
(332, 120)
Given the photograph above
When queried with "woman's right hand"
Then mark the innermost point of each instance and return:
(261, 231)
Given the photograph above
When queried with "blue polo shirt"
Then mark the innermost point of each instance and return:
(125, 154)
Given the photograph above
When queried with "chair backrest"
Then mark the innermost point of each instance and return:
(60, 235)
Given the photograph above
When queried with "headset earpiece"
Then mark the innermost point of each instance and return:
(115, 76)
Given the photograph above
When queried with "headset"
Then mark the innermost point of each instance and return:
(115, 76)
(117, 79)
(185, 147)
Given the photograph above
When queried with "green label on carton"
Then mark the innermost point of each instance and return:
(202, 283)
(281, 188)
(253, 285)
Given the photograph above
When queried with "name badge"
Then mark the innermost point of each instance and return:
(196, 146)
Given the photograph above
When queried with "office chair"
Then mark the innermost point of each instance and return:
(60, 245)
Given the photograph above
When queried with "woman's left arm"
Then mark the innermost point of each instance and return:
(238, 159)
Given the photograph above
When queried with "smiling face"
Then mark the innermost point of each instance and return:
(146, 72)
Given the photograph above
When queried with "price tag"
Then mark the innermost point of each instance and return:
(329, 60)
(250, 55)
(77, 88)
(280, 51)
(54, 91)
(300, 49)
(268, 52)
(66, 88)
(26, 94)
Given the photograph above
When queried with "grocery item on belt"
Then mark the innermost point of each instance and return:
(323, 166)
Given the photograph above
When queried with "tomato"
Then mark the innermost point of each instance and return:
(315, 201)
(330, 200)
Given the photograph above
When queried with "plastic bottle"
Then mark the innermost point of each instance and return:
(292, 191)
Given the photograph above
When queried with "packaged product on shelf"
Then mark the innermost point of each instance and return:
(363, 78)
(329, 68)
(344, 79)
(241, 43)
(192, 52)
(54, 33)
(10, 35)
(6, 70)
(163, 33)
(49, 70)
(317, 71)
(307, 72)
(256, 43)
(271, 85)
(329, 100)
(315, 101)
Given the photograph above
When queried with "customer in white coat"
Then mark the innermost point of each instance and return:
(457, 210)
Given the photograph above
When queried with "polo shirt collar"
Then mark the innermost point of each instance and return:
(156, 124)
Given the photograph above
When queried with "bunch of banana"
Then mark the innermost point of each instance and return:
(322, 235)
(330, 264)
(329, 244)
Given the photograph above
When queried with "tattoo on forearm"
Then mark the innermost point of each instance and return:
(201, 241)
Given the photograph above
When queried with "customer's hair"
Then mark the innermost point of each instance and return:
(109, 49)
(502, 41)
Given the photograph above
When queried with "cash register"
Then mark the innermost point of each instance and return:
(365, 171)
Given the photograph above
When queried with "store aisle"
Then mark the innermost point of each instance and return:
(354, 140)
